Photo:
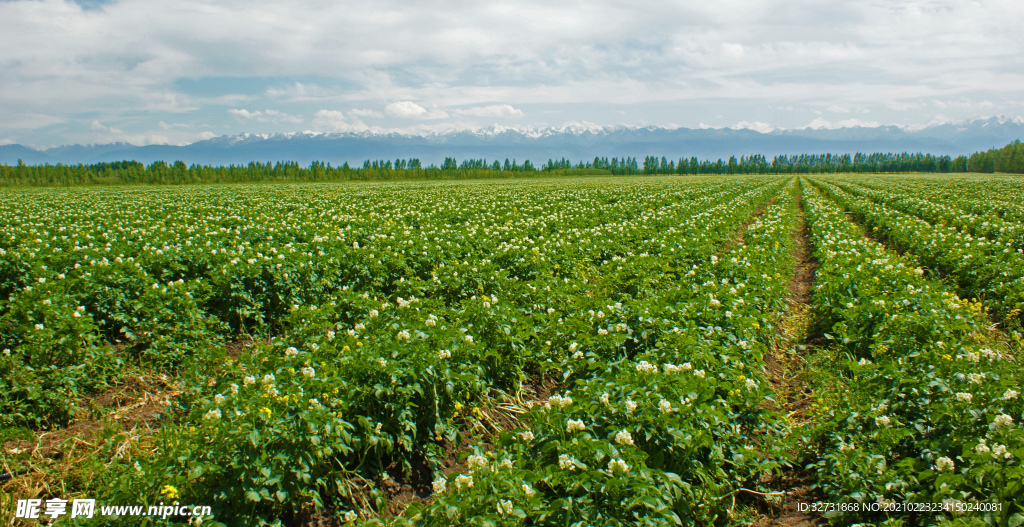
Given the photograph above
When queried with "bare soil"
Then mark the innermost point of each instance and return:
(785, 368)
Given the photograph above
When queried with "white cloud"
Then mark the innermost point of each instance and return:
(98, 126)
(203, 136)
(411, 110)
(663, 60)
(266, 116)
(333, 121)
(365, 112)
(823, 124)
(494, 110)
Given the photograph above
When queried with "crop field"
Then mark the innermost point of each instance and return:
(697, 350)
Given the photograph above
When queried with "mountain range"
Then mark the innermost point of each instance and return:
(579, 141)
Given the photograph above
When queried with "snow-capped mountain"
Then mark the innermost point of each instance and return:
(575, 141)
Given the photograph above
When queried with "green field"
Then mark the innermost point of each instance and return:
(698, 350)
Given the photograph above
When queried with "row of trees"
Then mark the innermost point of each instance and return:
(1007, 159)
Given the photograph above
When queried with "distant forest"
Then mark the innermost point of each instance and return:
(1007, 159)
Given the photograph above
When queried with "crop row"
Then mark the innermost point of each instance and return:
(161, 274)
(988, 269)
(921, 408)
(663, 437)
(365, 373)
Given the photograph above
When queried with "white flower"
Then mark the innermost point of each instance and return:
(308, 372)
(268, 378)
(715, 302)
(476, 462)
(558, 400)
(573, 347)
(249, 379)
(944, 464)
(218, 399)
(1002, 420)
(506, 463)
(402, 335)
(750, 384)
(463, 482)
(314, 346)
(646, 367)
(699, 373)
(574, 425)
(630, 406)
(315, 403)
(430, 322)
(526, 436)
(686, 366)
(469, 339)
(882, 420)
(604, 398)
(42, 280)
(624, 438)
(291, 352)
(617, 465)
(504, 507)
(982, 447)
(39, 327)
(1010, 394)
(351, 516)
(664, 406)
(440, 485)
(373, 313)
(964, 397)
(551, 310)
(602, 332)
(444, 354)
(383, 362)
(565, 461)
(330, 334)
(577, 355)
(234, 388)
(976, 378)
(528, 490)
(212, 414)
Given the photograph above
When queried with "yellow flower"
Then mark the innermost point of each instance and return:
(345, 348)
(169, 492)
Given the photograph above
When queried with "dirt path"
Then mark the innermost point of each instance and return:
(785, 366)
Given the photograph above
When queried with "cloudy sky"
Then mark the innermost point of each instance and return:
(155, 71)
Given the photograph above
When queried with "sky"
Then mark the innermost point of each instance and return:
(176, 72)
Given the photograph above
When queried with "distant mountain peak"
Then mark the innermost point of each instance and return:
(576, 140)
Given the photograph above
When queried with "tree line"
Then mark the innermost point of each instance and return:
(1007, 159)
